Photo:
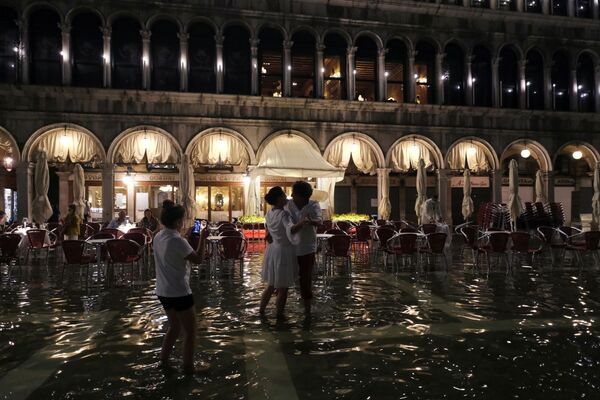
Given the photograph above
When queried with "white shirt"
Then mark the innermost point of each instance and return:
(172, 269)
(431, 211)
(115, 223)
(308, 234)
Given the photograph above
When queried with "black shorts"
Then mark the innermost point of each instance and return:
(178, 303)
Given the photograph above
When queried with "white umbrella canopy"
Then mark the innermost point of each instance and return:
(540, 192)
(79, 190)
(514, 201)
(421, 189)
(596, 198)
(41, 209)
(187, 188)
(467, 204)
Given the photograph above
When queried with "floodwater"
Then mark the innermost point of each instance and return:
(375, 334)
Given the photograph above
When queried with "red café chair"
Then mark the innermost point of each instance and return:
(74, 254)
(338, 247)
(591, 240)
(362, 238)
(403, 245)
(102, 235)
(428, 228)
(409, 229)
(344, 225)
(436, 246)
(552, 239)
(334, 231)
(469, 235)
(521, 246)
(382, 235)
(9, 248)
(37, 243)
(123, 252)
(115, 232)
(142, 240)
(233, 248)
(96, 226)
(234, 233)
(497, 245)
(85, 231)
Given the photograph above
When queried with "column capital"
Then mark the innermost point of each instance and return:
(64, 27)
(106, 31)
(183, 37)
(469, 59)
(22, 24)
(440, 55)
(351, 50)
(383, 171)
(496, 62)
(254, 42)
(320, 47)
(219, 39)
(146, 33)
(108, 168)
(382, 52)
(287, 44)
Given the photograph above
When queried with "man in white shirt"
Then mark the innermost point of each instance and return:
(117, 222)
(431, 211)
(301, 208)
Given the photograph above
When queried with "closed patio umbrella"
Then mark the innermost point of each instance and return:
(187, 188)
(41, 209)
(467, 203)
(78, 190)
(421, 189)
(514, 201)
(540, 192)
(596, 198)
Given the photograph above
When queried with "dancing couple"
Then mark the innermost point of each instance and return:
(291, 245)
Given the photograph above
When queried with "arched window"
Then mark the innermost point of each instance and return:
(481, 76)
(509, 78)
(303, 65)
(585, 83)
(45, 46)
(270, 62)
(533, 6)
(86, 49)
(560, 81)
(559, 7)
(508, 5)
(201, 59)
(425, 73)
(395, 66)
(334, 65)
(126, 50)
(236, 49)
(583, 8)
(534, 81)
(9, 45)
(365, 65)
(164, 51)
(453, 74)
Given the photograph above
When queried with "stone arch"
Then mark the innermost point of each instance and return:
(306, 28)
(118, 141)
(280, 28)
(16, 154)
(511, 46)
(159, 17)
(456, 41)
(380, 157)
(487, 148)
(251, 31)
(538, 50)
(275, 134)
(595, 57)
(431, 41)
(538, 151)
(372, 35)
(344, 34)
(74, 12)
(226, 131)
(200, 20)
(31, 144)
(41, 5)
(121, 13)
(425, 141)
(590, 153)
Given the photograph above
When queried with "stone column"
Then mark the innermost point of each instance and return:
(547, 87)
(573, 93)
(183, 61)
(108, 192)
(63, 190)
(522, 85)
(595, 9)
(493, 5)
(146, 58)
(469, 83)
(23, 51)
(466, 3)
(596, 91)
(520, 5)
(383, 193)
(287, 68)
(65, 53)
(496, 83)
(381, 78)
(443, 187)
(439, 81)
(549, 181)
(255, 72)
(106, 56)
(410, 84)
(571, 8)
(497, 186)
(546, 7)
(350, 73)
(131, 201)
(220, 64)
(320, 71)
(24, 172)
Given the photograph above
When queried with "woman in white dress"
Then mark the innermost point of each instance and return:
(280, 267)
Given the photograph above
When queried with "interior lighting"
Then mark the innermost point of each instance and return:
(8, 163)
(145, 140)
(263, 70)
(414, 150)
(354, 145)
(525, 153)
(386, 74)
(64, 140)
(577, 154)
(322, 69)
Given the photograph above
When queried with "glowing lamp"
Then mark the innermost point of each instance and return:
(128, 179)
(577, 154)
(471, 151)
(525, 153)
(8, 163)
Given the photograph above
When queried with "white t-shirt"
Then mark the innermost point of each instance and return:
(308, 234)
(172, 269)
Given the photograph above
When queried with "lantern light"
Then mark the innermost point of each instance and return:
(525, 153)
(577, 154)
(8, 163)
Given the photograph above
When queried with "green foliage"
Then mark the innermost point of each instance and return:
(352, 217)
(252, 219)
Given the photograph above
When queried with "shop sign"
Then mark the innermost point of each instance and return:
(476, 181)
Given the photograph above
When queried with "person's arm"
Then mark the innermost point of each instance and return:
(196, 256)
(297, 227)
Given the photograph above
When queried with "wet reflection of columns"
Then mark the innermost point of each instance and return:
(24, 172)
(108, 192)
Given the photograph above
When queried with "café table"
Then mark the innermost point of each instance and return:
(214, 248)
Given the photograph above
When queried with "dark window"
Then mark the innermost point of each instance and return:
(236, 48)
(87, 47)
(45, 46)
(201, 59)
(453, 75)
(509, 79)
(334, 64)
(424, 76)
(560, 81)
(164, 50)
(534, 81)
(395, 62)
(270, 62)
(126, 45)
(585, 83)
(303, 65)
(9, 45)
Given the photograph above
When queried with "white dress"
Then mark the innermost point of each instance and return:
(280, 265)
